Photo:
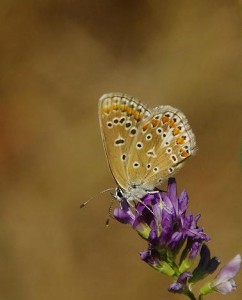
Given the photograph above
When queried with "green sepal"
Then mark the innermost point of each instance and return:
(206, 289)
(167, 269)
(144, 232)
(185, 265)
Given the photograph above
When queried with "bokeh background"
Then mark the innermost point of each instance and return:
(56, 59)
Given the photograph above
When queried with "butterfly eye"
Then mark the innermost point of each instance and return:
(119, 193)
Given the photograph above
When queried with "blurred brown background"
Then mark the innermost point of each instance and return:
(56, 59)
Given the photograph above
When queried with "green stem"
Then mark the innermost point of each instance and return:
(190, 294)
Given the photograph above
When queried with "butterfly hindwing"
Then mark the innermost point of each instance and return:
(163, 142)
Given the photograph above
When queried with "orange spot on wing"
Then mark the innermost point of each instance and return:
(184, 153)
(137, 116)
(154, 122)
(165, 119)
(175, 131)
(180, 140)
(146, 126)
(171, 123)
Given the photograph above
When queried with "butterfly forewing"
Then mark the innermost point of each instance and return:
(120, 118)
(163, 142)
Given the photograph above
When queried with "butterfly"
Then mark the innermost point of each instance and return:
(143, 146)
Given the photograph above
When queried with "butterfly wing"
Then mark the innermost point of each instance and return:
(120, 116)
(164, 141)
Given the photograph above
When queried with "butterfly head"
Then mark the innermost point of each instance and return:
(135, 192)
(118, 194)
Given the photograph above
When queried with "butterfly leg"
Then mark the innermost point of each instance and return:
(141, 202)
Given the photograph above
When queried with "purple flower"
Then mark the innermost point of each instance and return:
(174, 240)
(124, 214)
(154, 262)
(207, 265)
(179, 285)
(224, 282)
(177, 227)
(160, 218)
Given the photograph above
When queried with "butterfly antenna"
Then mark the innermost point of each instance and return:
(110, 212)
(102, 192)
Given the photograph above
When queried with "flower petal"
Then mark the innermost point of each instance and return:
(172, 192)
(226, 287)
(178, 286)
(125, 217)
(183, 202)
(228, 271)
